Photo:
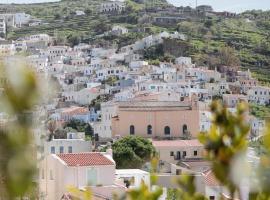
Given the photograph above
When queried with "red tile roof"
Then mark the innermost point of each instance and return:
(210, 179)
(85, 159)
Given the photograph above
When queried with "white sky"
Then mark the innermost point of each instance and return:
(218, 5)
(227, 5)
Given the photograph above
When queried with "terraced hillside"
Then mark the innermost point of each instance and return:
(248, 34)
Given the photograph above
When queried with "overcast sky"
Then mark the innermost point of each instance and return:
(219, 5)
(228, 5)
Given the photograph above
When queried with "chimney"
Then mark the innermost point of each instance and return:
(109, 152)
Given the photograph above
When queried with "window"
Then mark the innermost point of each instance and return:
(184, 153)
(51, 174)
(149, 129)
(61, 149)
(195, 153)
(184, 129)
(53, 150)
(131, 130)
(172, 153)
(70, 149)
(167, 130)
(211, 197)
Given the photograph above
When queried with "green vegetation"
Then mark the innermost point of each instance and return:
(132, 152)
(260, 111)
(80, 126)
(244, 38)
(249, 40)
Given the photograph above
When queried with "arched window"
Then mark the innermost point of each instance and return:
(149, 130)
(167, 130)
(185, 128)
(131, 130)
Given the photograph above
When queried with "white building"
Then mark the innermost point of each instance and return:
(112, 7)
(133, 178)
(257, 127)
(3, 28)
(75, 143)
(104, 73)
(104, 127)
(183, 61)
(205, 120)
(118, 30)
(137, 64)
(259, 95)
(232, 100)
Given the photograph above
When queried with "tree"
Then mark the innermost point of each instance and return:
(88, 130)
(60, 134)
(77, 125)
(73, 40)
(132, 152)
(228, 57)
(51, 127)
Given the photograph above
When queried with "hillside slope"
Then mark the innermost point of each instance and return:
(248, 33)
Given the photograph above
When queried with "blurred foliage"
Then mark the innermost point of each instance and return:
(17, 153)
(225, 141)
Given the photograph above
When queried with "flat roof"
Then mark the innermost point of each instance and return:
(177, 143)
(130, 171)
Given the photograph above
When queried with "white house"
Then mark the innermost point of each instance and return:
(257, 127)
(183, 61)
(75, 143)
(112, 7)
(104, 73)
(79, 12)
(3, 28)
(259, 95)
(137, 64)
(202, 74)
(104, 127)
(118, 30)
(231, 100)
(205, 120)
(133, 178)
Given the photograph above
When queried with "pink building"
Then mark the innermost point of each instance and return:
(58, 172)
(156, 119)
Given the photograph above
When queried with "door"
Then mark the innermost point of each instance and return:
(178, 155)
(91, 176)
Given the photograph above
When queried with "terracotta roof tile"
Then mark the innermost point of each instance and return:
(85, 159)
(210, 179)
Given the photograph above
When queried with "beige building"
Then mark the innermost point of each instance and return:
(156, 119)
(58, 172)
(173, 151)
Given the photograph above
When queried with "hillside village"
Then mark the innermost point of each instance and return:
(103, 93)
